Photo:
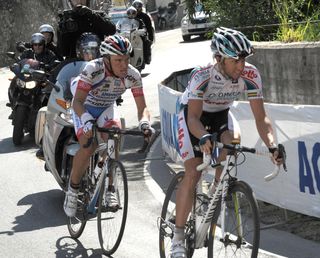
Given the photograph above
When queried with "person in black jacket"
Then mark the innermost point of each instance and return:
(78, 20)
(138, 4)
(39, 52)
(38, 56)
(48, 32)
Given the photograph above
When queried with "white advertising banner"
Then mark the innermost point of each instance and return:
(297, 127)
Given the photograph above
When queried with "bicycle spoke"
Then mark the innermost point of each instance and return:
(111, 220)
(241, 236)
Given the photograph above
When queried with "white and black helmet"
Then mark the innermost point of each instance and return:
(46, 28)
(115, 45)
(230, 43)
(138, 4)
(132, 12)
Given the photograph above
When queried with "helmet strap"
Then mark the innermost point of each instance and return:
(109, 65)
(220, 66)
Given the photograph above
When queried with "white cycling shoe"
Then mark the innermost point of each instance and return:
(178, 250)
(70, 203)
(111, 199)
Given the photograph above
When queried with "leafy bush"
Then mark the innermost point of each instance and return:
(260, 19)
(297, 20)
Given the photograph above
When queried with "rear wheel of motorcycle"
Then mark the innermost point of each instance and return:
(21, 114)
(162, 24)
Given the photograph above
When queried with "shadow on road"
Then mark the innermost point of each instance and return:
(45, 212)
(66, 248)
(195, 39)
(7, 146)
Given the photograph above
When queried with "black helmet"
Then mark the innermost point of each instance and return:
(88, 43)
(38, 38)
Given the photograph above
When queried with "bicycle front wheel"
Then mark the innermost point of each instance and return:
(168, 219)
(241, 234)
(112, 220)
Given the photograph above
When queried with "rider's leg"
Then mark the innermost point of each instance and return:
(185, 193)
(81, 161)
(79, 165)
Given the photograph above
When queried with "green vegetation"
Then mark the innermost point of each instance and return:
(260, 20)
(296, 19)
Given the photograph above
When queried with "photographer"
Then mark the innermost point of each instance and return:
(78, 20)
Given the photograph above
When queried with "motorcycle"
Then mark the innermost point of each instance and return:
(129, 28)
(167, 16)
(55, 130)
(27, 94)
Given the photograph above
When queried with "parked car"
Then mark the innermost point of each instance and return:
(199, 24)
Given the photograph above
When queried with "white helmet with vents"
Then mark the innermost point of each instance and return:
(231, 43)
(115, 45)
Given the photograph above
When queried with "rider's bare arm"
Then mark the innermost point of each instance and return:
(264, 127)
(78, 102)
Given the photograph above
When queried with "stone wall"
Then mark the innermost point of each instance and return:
(19, 19)
(290, 72)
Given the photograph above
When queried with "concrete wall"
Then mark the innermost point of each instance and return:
(290, 72)
(19, 19)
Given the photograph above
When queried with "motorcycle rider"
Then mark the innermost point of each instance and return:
(39, 52)
(48, 32)
(78, 20)
(87, 50)
(138, 4)
(36, 55)
(132, 14)
(100, 83)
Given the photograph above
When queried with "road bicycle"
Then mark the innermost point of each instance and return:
(92, 194)
(230, 204)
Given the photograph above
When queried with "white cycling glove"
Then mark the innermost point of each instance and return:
(87, 120)
(145, 125)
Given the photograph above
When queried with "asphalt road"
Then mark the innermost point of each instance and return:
(33, 223)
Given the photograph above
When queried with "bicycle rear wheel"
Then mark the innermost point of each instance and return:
(168, 217)
(242, 225)
(112, 221)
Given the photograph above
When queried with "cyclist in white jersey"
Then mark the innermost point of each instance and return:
(101, 82)
(206, 101)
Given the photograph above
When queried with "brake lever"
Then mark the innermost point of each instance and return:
(283, 155)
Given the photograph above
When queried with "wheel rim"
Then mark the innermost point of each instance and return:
(111, 221)
(238, 241)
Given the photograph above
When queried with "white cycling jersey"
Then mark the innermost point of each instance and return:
(104, 88)
(217, 92)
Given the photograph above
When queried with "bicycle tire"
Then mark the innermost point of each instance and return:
(111, 222)
(77, 223)
(231, 244)
(168, 217)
